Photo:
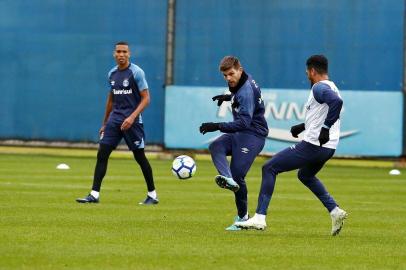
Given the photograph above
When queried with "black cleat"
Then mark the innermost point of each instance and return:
(150, 201)
(227, 182)
(88, 199)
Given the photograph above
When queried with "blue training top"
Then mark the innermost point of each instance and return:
(126, 85)
(248, 109)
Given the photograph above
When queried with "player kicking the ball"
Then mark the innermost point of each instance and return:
(321, 135)
(245, 136)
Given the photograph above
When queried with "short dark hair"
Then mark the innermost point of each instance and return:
(319, 63)
(229, 62)
(122, 43)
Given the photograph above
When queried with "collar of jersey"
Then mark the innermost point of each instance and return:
(243, 79)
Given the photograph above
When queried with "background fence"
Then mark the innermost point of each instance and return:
(55, 55)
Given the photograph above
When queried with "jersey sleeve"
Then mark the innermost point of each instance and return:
(245, 112)
(139, 77)
(109, 82)
(324, 94)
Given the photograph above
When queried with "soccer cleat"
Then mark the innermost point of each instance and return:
(337, 220)
(149, 201)
(226, 182)
(88, 199)
(252, 223)
(234, 227)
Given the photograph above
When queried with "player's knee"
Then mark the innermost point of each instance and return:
(104, 152)
(303, 177)
(214, 147)
(102, 155)
(269, 167)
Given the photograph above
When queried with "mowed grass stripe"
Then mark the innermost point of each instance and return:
(42, 227)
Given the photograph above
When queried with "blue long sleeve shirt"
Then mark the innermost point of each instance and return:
(248, 110)
(323, 94)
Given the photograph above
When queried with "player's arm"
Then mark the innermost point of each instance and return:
(245, 113)
(323, 94)
(109, 108)
(142, 84)
(140, 108)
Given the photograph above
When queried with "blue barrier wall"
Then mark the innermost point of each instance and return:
(55, 55)
(54, 60)
(363, 40)
(368, 128)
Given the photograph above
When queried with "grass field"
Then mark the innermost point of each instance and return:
(42, 227)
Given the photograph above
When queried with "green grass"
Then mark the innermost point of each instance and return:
(42, 227)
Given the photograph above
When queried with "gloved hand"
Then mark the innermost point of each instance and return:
(324, 136)
(297, 129)
(221, 98)
(209, 127)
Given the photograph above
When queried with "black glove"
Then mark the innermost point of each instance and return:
(296, 130)
(209, 127)
(324, 136)
(221, 98)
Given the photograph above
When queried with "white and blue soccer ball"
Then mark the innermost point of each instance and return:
(183, 167)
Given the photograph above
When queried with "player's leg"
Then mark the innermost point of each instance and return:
(288, 159)
(219, 150)
(134, 138)
(108, 142)
(245, 149)
(146, 169)
(103, 155)
(307, 175)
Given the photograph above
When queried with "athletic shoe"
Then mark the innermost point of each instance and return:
(149, 201)
(337, 220)
(227, 182)
(88, 199)
(234, 227)
(252, 223)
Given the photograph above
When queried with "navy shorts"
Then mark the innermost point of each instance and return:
(134, 136)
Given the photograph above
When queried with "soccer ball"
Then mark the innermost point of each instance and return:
(183, 167)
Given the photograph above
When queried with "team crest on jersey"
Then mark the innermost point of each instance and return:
(125, 83)
(112, 83)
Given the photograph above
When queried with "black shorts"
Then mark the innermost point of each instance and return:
(134, 136)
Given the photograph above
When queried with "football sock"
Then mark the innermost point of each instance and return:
(142, 160)
(101, 165)
(152, 194)
(95, 194)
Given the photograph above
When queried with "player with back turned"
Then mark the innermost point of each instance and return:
(321, 135)
(245, 135)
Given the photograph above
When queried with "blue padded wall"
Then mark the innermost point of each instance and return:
(54, 60)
